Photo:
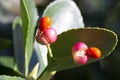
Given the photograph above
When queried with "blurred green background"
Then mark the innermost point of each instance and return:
(99, 13)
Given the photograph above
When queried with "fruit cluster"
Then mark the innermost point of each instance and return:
(81, 52)
(46, 34)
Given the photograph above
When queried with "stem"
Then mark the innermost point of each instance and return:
(46, 74)
(26, 66)
(50, 51)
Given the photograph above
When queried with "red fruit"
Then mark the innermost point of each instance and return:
(93, 52)
(44, 23)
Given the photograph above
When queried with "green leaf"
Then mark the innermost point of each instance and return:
(18, 45)
(98, 37)
(41, 52)
(4, 77)
(4, 43)
(7, 61)
(29, 20)
(64, 14)
(104, 39)
(71, 18)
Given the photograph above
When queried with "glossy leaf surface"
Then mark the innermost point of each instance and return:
(18, 44)
(29, 19)
(64, 15)
(62, 48)
(71, 18)
(98, 37)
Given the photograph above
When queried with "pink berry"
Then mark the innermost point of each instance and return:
(80, 59)
(79, 46)
(78, 51)
(49, 36)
